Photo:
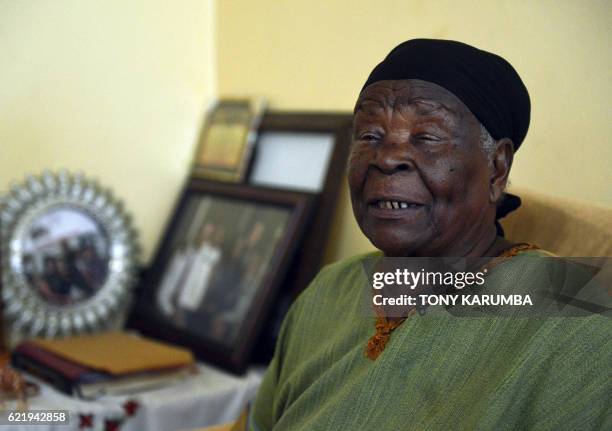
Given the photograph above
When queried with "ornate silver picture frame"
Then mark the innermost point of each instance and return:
(68, 257)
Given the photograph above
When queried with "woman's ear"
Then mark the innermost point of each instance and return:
(501, 162)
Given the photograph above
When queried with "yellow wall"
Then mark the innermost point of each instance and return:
(316, 55)
(116, 89)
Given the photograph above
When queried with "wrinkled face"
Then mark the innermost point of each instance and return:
(418, 176)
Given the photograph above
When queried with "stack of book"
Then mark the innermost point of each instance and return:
(114, 363)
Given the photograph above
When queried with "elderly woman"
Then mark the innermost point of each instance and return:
(436, 126)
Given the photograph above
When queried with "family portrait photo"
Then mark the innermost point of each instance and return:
(220, 253)
(65, 256)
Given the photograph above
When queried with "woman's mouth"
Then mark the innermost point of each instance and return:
(394, 209)
(394, 205)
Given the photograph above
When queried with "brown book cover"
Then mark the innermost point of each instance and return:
(117, 353)
(58, 372)
(67, 369)
(91, 379)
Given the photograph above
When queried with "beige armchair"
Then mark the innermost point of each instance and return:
(562, 226)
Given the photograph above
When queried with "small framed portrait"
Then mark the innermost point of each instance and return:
(218, 268)
(227, 139)
(65, 255)
(69, 257)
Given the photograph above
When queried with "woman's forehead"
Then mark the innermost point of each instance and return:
(424, 96)
(421, 97)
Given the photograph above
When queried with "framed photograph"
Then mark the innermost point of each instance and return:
(65, 255)
(69, 257)
(227, 139)
(307, 152)
(218, 268)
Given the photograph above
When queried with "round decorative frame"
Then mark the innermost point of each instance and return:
(26, 312)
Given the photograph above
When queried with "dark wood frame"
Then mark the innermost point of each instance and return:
(148, 319)
(310, 256)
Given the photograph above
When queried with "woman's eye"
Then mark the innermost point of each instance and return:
(369, 137)
(424, 137)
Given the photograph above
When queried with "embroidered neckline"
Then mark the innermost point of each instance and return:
(384, 327)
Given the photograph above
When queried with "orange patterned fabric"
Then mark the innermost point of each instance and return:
(384, 328)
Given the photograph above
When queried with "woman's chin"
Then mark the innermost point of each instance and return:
(396, 247)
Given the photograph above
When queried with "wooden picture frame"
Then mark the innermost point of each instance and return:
(339, 126)
(241, 241)
(309, 258)
(226, 142)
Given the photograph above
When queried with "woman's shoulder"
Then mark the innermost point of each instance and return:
(574, 284)
(520, 258)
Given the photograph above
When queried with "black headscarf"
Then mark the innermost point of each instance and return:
(486, 83)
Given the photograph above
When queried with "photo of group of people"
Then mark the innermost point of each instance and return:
(65, 256)
(220, 253)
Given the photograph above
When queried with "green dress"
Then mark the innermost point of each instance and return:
(439, 371)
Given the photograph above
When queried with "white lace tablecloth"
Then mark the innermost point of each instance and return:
(210, 397)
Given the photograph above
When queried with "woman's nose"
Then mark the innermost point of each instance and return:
(393, 157)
